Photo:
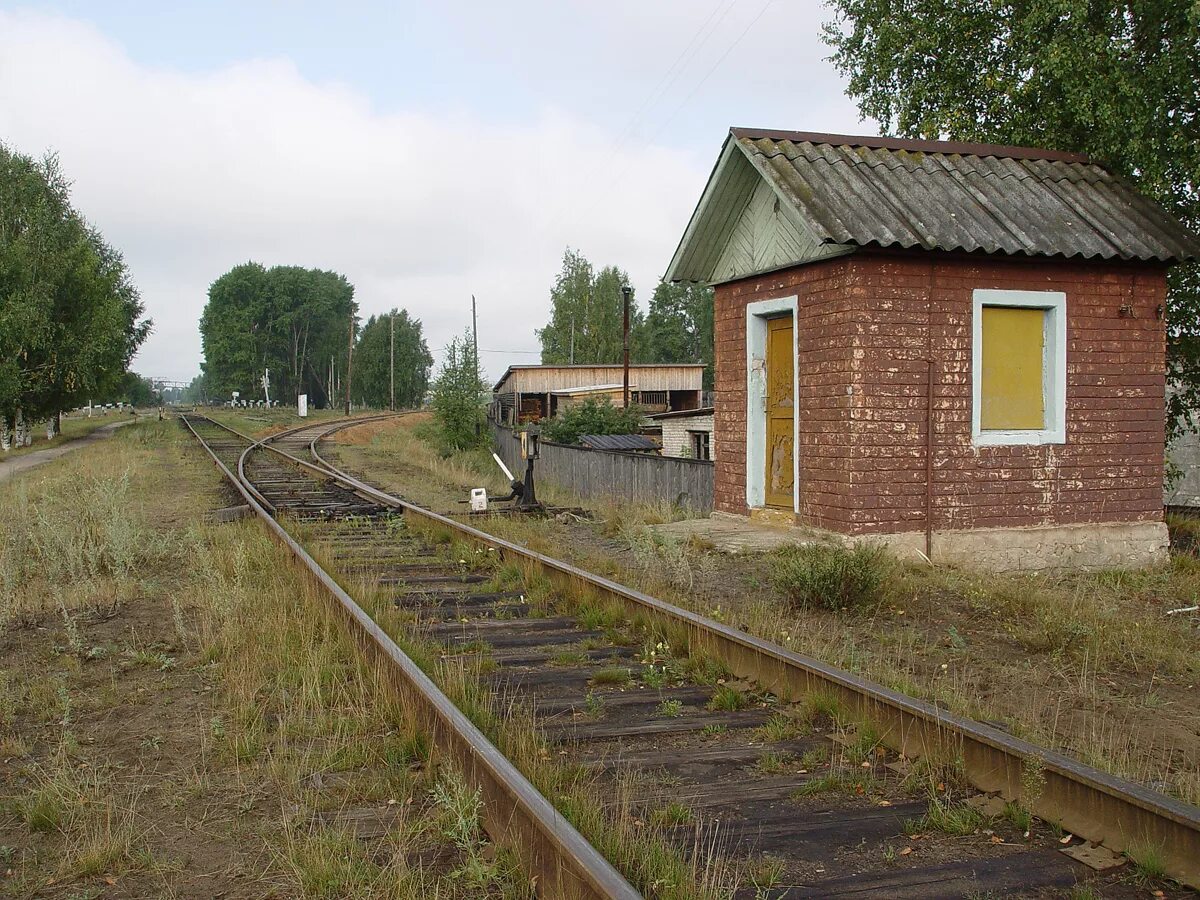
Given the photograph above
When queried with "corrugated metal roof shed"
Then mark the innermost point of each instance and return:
(626, 442)
(936, 195)
(683, 413)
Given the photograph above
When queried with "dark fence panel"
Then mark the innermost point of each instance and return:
(605, 473)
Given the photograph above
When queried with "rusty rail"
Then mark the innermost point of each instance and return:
(515, 813)
(1094, 805)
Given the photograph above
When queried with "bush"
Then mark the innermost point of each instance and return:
(595, 415)
(458, 406)
(832, 577)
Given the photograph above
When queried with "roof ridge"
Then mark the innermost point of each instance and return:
(962, 148)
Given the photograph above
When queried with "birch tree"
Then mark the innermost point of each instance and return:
(70, 317)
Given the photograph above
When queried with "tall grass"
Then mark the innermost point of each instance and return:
(75, 535)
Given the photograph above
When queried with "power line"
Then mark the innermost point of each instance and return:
(665, 83)
(483, 350)
(673, 72)
(715, 66)
(692, 93)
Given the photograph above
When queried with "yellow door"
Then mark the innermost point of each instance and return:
(780, 406)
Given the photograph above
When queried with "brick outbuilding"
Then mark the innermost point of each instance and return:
(957, 350)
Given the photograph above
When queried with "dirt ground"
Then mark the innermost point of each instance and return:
(1087, 664)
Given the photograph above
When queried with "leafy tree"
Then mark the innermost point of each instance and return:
(70, 317)
(196, 391)
(135, 390)
(1116, 80)
(594, 415)
(458, 398)
(291, 320)
(372, 358)
(590, 306)
(679, 327)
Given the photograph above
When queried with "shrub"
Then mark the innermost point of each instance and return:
(458, 405)
(592, 416)
(831, 577)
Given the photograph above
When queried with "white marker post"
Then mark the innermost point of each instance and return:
(302, 406)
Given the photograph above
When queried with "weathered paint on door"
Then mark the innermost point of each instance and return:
(781, 400)
(1012, 391)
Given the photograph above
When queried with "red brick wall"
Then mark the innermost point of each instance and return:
(868, 322)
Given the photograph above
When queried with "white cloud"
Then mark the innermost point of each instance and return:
(192, 173)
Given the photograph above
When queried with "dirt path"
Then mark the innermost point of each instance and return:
(10, 467)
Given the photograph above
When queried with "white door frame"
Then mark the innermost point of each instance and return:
(756, 398)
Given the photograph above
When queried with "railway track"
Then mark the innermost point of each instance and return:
(821, 784)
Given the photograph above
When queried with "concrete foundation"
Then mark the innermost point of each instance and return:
(1108, 545)
(1105, 545)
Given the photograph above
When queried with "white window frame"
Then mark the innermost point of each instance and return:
(1054, 367)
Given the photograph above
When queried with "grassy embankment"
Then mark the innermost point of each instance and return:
(1085, 662)
(180, 713)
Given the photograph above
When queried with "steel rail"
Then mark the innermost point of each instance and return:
(515, 814)
(1102, 808)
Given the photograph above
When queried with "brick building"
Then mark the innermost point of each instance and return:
(955, 349)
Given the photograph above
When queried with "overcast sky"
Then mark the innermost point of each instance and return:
(427, 151)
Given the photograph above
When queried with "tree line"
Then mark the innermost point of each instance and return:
(301, 326)
(70, 315)
(586, 320)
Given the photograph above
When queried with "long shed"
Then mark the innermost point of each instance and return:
(531, 393)
(954, 349)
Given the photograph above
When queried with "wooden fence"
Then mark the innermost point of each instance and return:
(606, 473)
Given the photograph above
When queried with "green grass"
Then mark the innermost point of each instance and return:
(654, 677)
(948, 817)
(670, 709)
(838, 780)
(727, 699)
(772, 762)
(834, 578)
(672, 815)
(778, 727)
(612, 676)
(568, 659)
(1148, 862)
(703, 669)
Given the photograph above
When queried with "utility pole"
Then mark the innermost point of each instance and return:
(475, 336)
(572, 338)
(625, 292)
(349, 363)
(475, 341)
(392, 363)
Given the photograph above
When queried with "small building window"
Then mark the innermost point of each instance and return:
(701, 444)
(1019, 367)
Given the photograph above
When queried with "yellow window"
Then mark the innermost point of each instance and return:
(1012, 391)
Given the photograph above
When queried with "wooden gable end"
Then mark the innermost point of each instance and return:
(742, 226)
(767, 235)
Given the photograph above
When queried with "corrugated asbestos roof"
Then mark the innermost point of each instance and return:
(890, 192)
(617, 442)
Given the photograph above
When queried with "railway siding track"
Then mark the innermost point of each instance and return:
(515, 814)
(728, 741)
